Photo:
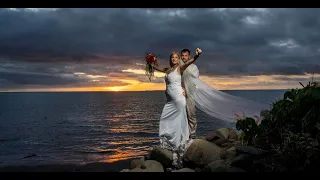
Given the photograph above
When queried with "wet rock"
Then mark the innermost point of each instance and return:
(224, 132)
(213, 136)
(163, 156)
(149, 166)
(200, 153)
(136, 163)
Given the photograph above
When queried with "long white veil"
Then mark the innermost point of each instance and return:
(216, 103)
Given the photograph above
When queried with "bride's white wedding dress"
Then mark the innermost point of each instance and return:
(174, 130)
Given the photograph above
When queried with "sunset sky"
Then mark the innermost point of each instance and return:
(103, 49)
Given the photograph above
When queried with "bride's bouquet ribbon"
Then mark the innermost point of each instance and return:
(150, 59)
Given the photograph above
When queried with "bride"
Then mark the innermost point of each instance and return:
(174, 130)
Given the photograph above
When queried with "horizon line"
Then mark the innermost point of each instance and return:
(132, 91)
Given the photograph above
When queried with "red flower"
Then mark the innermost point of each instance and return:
(150, 58)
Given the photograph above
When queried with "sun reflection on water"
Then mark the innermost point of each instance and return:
(123, 150)
(127, 132)
(126, 153)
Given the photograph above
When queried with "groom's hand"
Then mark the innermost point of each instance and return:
(184, 92)
(198, 51)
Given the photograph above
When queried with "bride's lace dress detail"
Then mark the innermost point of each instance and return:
(174, 130)
(177, 152)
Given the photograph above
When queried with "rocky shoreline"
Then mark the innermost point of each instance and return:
(219, 151)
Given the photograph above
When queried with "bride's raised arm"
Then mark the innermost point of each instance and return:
(192, 60)
(158, 68)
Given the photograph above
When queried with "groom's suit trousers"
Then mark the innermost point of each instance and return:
(191, 112)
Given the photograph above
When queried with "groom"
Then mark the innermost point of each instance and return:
(191, 109)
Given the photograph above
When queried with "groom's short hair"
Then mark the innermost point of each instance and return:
(185, 50)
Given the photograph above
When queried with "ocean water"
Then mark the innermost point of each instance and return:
(84, 127)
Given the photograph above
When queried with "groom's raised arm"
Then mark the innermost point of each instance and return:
(190, 61)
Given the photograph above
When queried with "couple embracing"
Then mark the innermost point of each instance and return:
(178, 121)
(184, 92)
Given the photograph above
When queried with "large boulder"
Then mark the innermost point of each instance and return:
(149, 166)
(231, 153)
(136, 163)
(222, 136)
(224, 132)
(201, 153)
(163, 156)
(213, 136)
(219, 142)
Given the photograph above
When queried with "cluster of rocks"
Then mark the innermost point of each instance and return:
(219, 151)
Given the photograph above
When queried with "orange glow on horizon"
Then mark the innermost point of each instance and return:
(220, 83)
(114, 88)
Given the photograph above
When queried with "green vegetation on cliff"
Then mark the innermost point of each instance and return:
(291, 128)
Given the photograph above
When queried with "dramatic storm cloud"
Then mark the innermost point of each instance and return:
(74, 48)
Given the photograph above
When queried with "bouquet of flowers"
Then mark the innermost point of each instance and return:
(150, 58)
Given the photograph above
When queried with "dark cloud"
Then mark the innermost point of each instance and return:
(35, 78)
(27, 75)
(48, 47)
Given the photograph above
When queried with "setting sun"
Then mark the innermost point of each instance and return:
(114, 88)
